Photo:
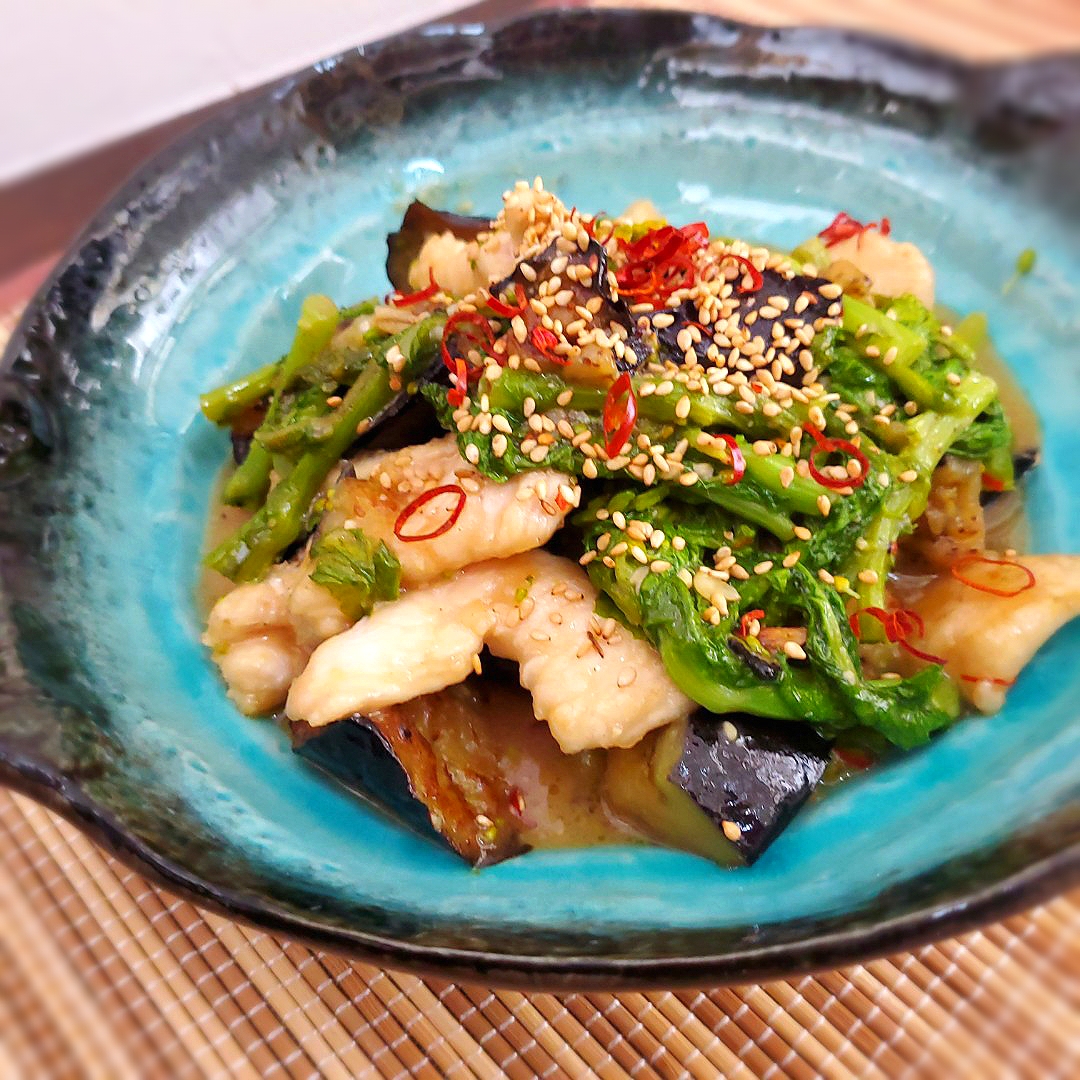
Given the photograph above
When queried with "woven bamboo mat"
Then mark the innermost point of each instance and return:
(103, 975)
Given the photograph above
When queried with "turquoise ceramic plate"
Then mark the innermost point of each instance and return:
(109, 708)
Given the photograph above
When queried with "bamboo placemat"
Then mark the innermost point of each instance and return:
(104, 975)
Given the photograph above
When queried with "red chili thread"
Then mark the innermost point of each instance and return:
(504, 310)
(738, 462)
(826, 445)
(408, 299)
(974, 558)
(756, 280)
(618, 416)
(844, 226)
(423, 500)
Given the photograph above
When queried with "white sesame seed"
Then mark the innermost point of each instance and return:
(499, 445)
(682, 408)
(794, 650)
(868, 577)
(763, 567)
(824, 505)
(472, 454)
(908, 476)
(589, 469)
(731, 831)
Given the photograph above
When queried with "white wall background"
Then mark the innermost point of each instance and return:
(75, 74)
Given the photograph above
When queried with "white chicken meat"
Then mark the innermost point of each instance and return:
(987, 637)
(496, 520)
(593, 684)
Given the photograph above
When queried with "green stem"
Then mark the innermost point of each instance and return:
(884, 335)
(221, 405)
(930, 436)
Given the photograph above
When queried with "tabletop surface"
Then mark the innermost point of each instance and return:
(104, 975)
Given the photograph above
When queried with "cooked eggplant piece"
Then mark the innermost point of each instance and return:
(611, 312)
(721, 787)
(420, 222)
(471, 766)
(749, 773)
(423, 763)
(756, 326)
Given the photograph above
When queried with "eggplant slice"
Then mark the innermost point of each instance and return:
(420, 222)
(750, 774)
(422, 763)
(720, 786)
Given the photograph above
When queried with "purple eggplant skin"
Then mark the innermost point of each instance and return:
(420, 222)
(749, 772)
(641, 342)
(356, 755)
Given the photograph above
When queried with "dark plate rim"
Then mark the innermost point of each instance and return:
(52, 787)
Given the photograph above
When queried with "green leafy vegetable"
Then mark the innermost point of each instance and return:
(356, 570)
(283, 516)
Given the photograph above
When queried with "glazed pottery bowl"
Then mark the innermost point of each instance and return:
(110, 710)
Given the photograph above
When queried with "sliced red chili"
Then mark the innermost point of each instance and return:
(898, 626)
(475, 329)
(962, 567)
(660, 262)
(884, 617)
(989, 679)
(504, 310)
(747, 619)
(738, 462)
(844, 226)
(544, 342)
(460, 390)
(421, 501)
(619, 416)
(826, 445)
(398, 300)
(756, 280)
(992, 483)
(930, 658)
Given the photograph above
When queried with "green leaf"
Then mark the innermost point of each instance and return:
(356, 570)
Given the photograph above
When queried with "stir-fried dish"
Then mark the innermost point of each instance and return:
(604, 528)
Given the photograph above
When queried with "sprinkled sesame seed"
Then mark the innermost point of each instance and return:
(731, 831)
(589, 469)
(794, 650)
(791, 559)
(802, 532)
(908, 476)
(731, 732)
(682, 408)
(824, 505)
(763, 567)
(538, 453)
(619, 520)
(826, 577)
(678, 543)
(472, 454)
(873, 351)
(688, 478)
(639, 554)
(499, 445)
(588, 558)
(849, 677)
(868, 577)
(659, 566)
(953, 378)
(565, 397)
(528, 407)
